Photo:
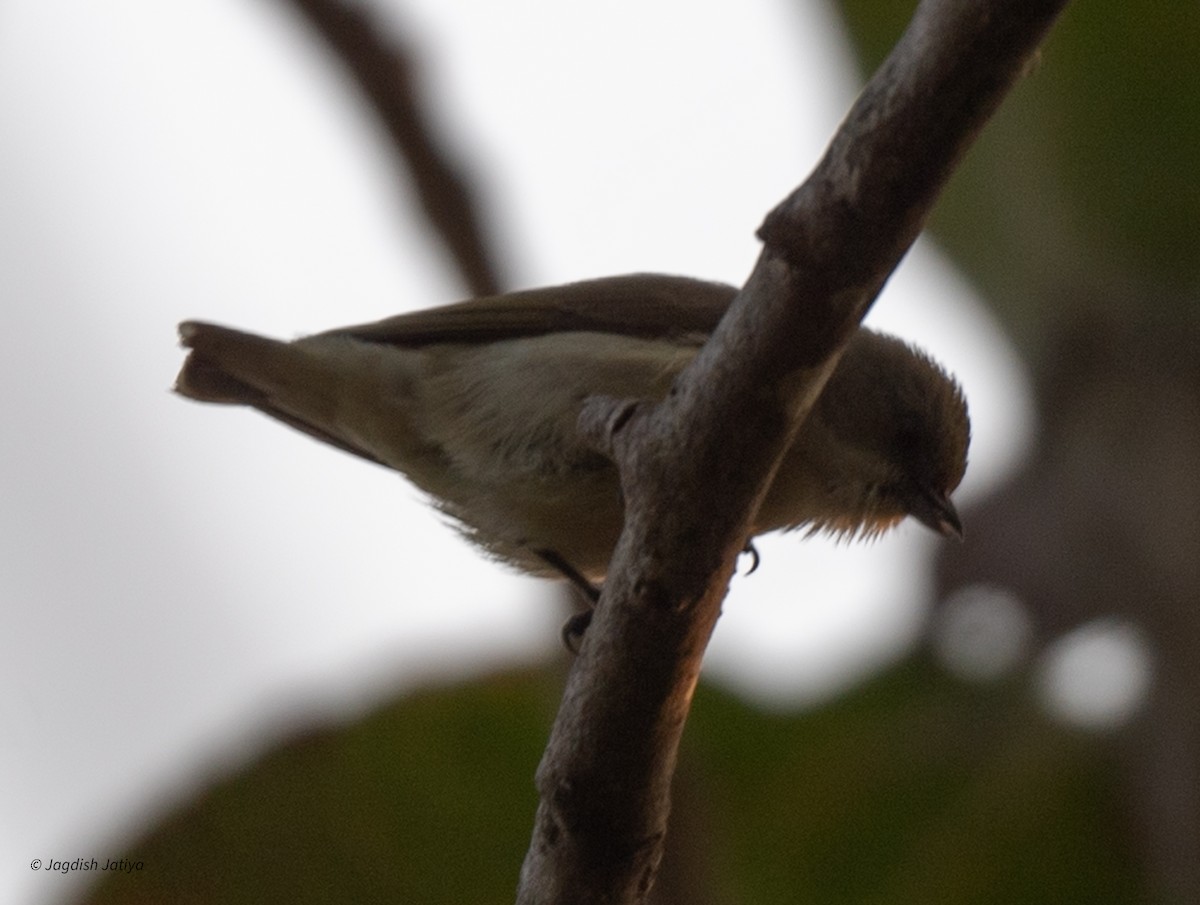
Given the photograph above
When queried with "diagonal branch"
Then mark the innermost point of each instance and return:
(694, 468)
(385, 75)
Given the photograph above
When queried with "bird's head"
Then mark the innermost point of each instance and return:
(899, 425)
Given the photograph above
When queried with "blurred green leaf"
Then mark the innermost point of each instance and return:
(915, 789)
(428, 800)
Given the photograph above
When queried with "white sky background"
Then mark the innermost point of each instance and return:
(178, 583)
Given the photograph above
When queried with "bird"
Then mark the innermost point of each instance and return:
(476, 403)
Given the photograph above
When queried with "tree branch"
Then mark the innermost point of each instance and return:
(384, 73)
(695, 467)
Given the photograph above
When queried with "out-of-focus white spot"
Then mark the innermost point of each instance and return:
(982, 632)
(1097, 676)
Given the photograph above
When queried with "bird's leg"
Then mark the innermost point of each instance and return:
(574, 627)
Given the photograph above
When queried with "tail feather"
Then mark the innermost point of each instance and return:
(231, 367)
(225, 365)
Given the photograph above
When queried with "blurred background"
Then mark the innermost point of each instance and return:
(260, 670)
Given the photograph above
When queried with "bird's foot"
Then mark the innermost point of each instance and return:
(573, 628)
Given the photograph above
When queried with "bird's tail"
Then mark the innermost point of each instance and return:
(283, 380)
(225, 366)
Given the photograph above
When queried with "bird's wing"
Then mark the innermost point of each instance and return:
(649, 306)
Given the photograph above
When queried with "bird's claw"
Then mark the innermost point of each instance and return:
(755, 559)
(573, 629)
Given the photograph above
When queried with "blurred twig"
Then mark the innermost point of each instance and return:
(383, 70)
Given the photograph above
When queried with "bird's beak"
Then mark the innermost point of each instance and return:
(934, 510)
